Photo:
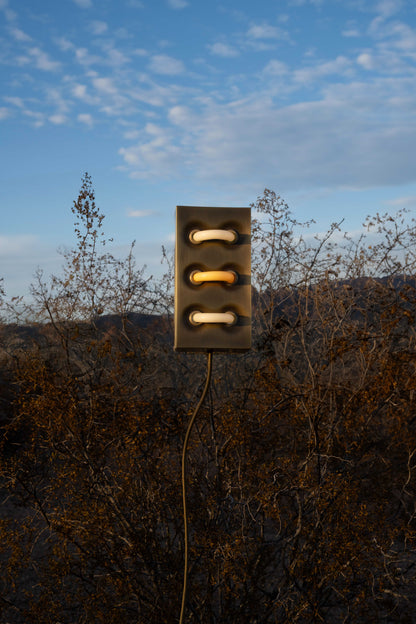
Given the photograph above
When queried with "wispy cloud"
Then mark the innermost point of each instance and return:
(64, 44)
(154, 154)
(264, 31)
(316, 3)
(20, 256)
(141, 213)
(15, 245)
(19, 35)
(223, 49)
(42, 60)
(166, 65)
(366, 60)
(351, 32)
(402, 202)
(387, 8)
(58, 119)
(327, 135)
(177, 4)
(80, 91)
(15, 101)
(115, 57)
(8, 13)
(384, 9)
(318, 144)
(37, 118)
(105, 85)
(86, 118)
(275, 68)
(98, 28)
(84, 4)
(263, 36)
(339, 66)
(84, 57)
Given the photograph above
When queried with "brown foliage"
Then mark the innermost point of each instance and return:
(301, 486)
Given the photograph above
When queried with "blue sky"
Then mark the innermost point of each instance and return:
(168, 102)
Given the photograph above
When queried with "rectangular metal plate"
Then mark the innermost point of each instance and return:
(212, 296)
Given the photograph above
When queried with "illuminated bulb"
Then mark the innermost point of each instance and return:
(198, 277)
(200, 236)
(227, 318)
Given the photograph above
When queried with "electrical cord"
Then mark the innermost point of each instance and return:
(185, 448)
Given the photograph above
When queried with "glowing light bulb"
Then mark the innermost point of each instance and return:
(226, 318)
(200, 236)
(198, 277)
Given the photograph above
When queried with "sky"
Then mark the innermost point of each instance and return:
(191, 102)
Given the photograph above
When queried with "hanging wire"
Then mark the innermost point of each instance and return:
(184, 456)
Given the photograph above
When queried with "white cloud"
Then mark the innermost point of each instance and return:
(223, 49)
(154, 95)
(180, 115)
(9, 14)
(58, 119)
(141, 213)
(264, 31)
(84, 4)
(80, 91)
(276, 68)
(316, 3)
(56, 98)
(16, 101)
(98, 28)
(402, 202)
(351, 32)
(37, 117)
(86, 119)
(19, 35)
(85, 58)
(177, 4)
(16, 245)
(366, 61)
(4, 113)
(42, 60)
(338, 66)
(405, 37)
(154, 156)
(166, 65)
(20, 255)
(387, 8)
(105, 85)
(335, 141)
(21, 61)
(64, 44)
(140, 52)
(116, 58)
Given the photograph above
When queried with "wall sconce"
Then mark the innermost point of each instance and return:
(212, 279)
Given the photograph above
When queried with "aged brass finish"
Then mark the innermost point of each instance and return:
(212, 277)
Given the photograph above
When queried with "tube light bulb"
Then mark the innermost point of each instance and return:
(200, 236)
(226, 318)
(198, 277)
